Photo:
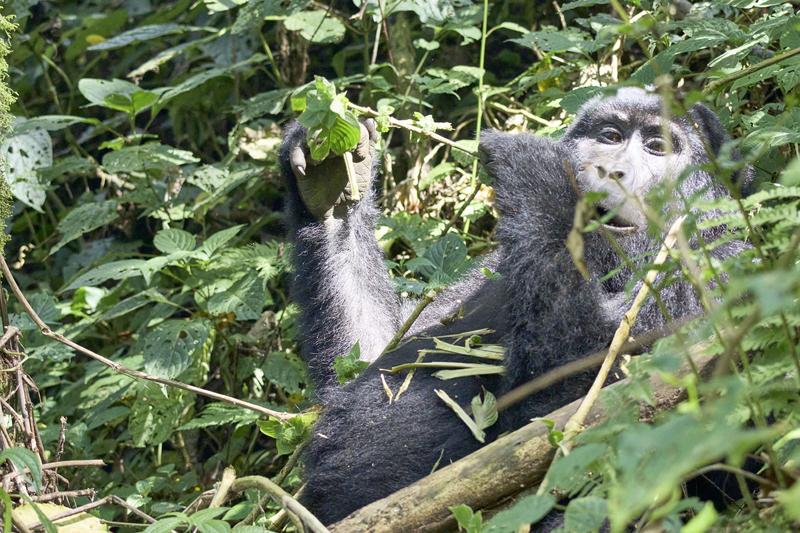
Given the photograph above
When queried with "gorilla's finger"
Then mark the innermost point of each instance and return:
(363, 148)
(297, 158)
(372, 128)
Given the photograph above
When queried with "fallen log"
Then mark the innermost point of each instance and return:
(496, 472)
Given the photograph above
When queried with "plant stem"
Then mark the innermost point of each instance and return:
(351, 176)
(282, 497)
(421, 305)
(228, 478)
(550, 378)
(408, 125)
(575, 423)
(476, 185)
(749, 70)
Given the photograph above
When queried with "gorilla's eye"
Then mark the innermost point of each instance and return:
(656, 145)
(611, 135)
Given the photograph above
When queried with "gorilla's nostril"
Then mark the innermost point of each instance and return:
(616, 175)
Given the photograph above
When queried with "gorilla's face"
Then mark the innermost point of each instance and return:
(622, 150)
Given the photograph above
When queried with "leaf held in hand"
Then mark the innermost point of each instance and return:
(331, 125)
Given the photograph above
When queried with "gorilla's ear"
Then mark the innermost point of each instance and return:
(492, 145)
(496, 152)
(715, 135)
(710, 127)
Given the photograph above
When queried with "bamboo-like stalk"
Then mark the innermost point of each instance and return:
(575, 423)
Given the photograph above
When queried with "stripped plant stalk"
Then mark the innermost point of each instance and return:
(351, 176)
(408, 125)
(421, 305)
(282, 497)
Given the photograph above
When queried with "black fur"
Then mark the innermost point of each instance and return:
(542, 310)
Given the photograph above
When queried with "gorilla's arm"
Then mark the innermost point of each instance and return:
(340, 281)
(556, 314)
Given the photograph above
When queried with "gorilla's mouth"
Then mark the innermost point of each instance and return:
(615, 223)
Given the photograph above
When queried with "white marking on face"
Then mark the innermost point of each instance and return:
(626, 171)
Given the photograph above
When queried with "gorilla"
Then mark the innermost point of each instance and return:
(539, 307)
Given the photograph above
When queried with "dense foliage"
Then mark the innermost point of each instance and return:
(147, 227)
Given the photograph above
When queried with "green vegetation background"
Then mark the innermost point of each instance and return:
(146, 223)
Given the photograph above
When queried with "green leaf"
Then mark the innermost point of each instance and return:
(23, 458)
(84, 219)
(116, 270)
(653, 460)
(570, 40)
(348, 367)
(218, 6)
(8, 506)
(467, 520)
(484, 411)
(318, 26)
(174, 240)
(423, 44)
(146, 157)
(239, 528)
(219, 239)
(214, 526)
(569, 473)
(253, 13)
(205, 515)
(22, 511)
(245, 298)
(169, 346)
(85, 300)
(332, 127)
(702, 521)
(116, 94)
(286, 371)
(585, 514)
(443, 262)
(790, 177)
(113, 414)
(477, 432)
(554, 436)
(50, 123)
(208, 178)
(21, 156)
(289, 434)
(143, 33)
(196, 80)
(527, 510)
(154, 415)
(662, 62)
(217, 414)
(575, 4)
(166, 525)
(132, 303)
(268, 103)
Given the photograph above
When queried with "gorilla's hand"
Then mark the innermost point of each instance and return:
(323, 185)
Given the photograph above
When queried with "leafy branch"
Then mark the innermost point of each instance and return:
(121, 369)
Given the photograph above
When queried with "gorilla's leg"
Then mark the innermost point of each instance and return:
(340, 280)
